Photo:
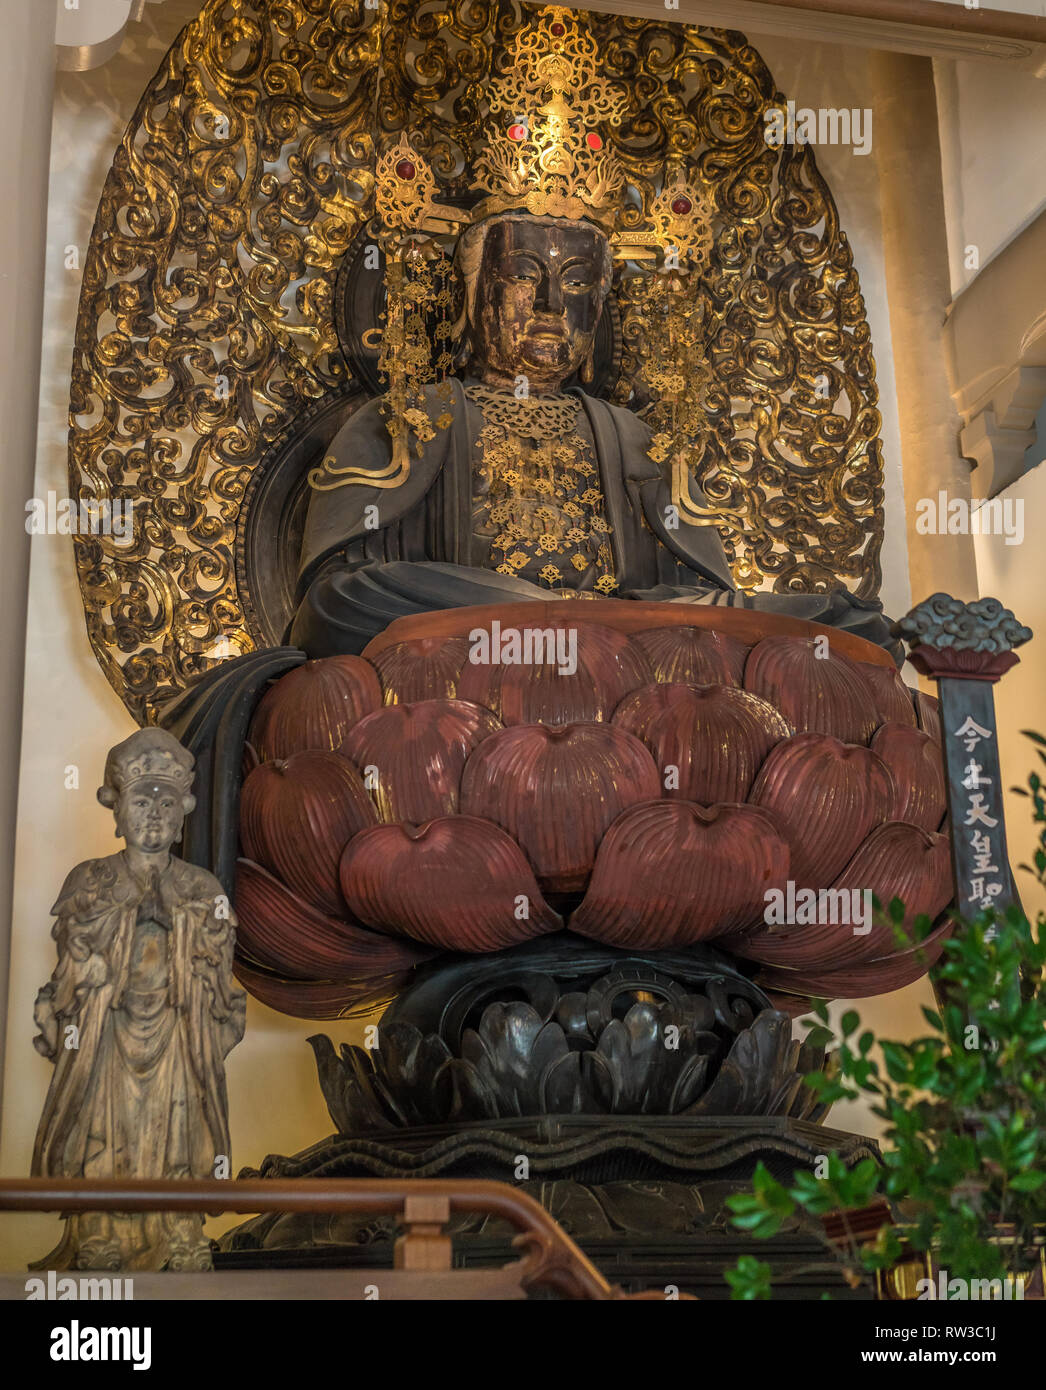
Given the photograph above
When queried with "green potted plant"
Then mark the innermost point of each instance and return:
(962, 1184)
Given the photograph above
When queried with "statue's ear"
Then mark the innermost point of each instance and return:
(107, 796)
(188, 804)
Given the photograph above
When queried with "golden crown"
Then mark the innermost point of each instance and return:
(545, 150)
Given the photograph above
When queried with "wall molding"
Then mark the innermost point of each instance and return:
(995, 345)
(928, 27)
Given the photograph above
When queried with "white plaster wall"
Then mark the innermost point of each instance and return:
(993, 157)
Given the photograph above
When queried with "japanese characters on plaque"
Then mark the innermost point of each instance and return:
(980, 827)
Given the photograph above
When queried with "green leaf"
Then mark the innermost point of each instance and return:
(1027, 1182)
(749, 1279)
(819, 1036)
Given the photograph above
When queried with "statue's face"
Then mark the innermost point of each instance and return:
(149, 815)
(538, 301)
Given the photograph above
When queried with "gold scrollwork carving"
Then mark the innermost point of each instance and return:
(207, 320)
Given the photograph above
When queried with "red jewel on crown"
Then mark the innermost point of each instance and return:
(593, 141)
(559, 30)
(681, 206)
(405, 169)
(517, 132)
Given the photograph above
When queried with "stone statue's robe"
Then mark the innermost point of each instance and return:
(371, 554)
(144, 978)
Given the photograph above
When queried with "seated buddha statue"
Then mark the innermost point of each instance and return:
(531, 489)
(509, 482)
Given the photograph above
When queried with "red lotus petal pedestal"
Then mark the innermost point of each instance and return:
(827, 796)
(671, 873)
(459, 883)
(556, 789)
(296, 816)
(690, 761)
(708, 741)
(413, 755)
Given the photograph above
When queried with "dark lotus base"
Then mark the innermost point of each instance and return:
(643, 1197)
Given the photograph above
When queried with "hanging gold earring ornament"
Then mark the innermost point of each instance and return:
(417, 294)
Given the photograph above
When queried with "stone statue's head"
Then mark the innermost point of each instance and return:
(148, 785)
(534, 293)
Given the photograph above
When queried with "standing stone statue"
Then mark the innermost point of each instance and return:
(138, 1019)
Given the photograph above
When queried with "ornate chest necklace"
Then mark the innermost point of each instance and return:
(538, 498)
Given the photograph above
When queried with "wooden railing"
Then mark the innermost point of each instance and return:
(550, 1259)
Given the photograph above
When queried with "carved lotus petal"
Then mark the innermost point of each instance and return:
(314, 706)
(514, 1051)
(296, 816)
(556, 790)
(417, 753)
(893, 699)
(895, 861)
(861, 981)
(526, 691)
(459, 883)
(693, 655)
(816, 695)
(426, 668)
(918, 773)
(928, 714)
(826, 796)
(670, 873)
(279, 930)
(315, 998)
(715, 735)
(757, 1076)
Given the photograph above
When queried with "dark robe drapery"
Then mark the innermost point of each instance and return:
(356, 577)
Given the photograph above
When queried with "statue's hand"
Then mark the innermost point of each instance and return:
(96, 972)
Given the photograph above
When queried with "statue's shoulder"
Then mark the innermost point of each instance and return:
(371, 420)
(194, 883)
(633, 435)
(92, 887)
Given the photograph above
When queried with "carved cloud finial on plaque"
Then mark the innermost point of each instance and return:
(971, 641)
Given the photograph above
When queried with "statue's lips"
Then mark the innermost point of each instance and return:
(544, 344)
